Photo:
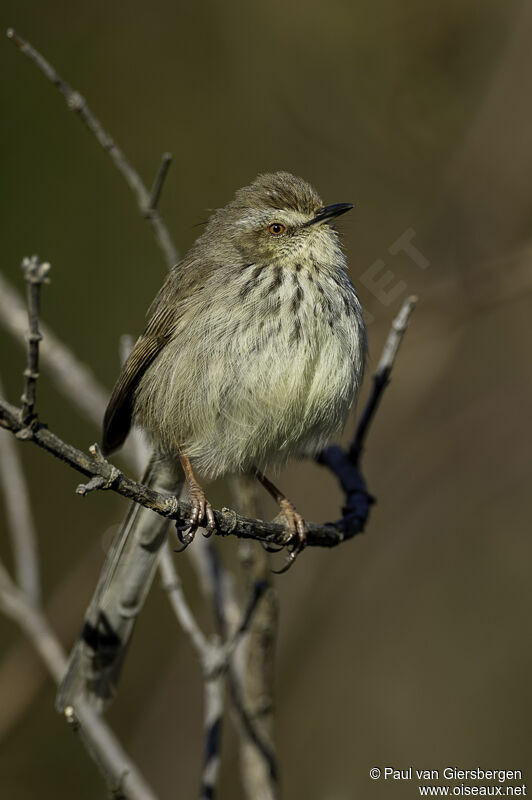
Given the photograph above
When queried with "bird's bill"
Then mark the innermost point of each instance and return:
(328, 212)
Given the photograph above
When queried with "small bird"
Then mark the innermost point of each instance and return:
(253, 352)
(254, 347)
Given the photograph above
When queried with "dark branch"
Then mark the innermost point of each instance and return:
(346, 464)
(228, 522)
(104, 475)
(381, 378)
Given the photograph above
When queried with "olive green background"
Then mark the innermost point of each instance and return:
(410, 645)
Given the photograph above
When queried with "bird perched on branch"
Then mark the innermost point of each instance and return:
(254, 347)
(253, 352)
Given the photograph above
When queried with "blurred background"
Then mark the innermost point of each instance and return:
(410, 645)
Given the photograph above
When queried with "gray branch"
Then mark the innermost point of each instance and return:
(19, 519)
(70, 375)
(146, 201)
(252, 670)
(120, 772)
(35, 274)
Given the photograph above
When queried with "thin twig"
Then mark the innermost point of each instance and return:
(20, 520)
(68, 373)
(212, 665)
(76, 102)
(156, 189)
(171, 583)
(35, 274)
(382, 376)
(120, 772)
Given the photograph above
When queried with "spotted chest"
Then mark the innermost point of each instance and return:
(300, 305)
(261, 367)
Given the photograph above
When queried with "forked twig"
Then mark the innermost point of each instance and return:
(146, 201)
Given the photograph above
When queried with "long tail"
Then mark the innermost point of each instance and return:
(96, 660)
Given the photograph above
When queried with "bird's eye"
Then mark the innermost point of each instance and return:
(276, 228)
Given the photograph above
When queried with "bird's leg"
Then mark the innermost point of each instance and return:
(296, 523)
(201, 508)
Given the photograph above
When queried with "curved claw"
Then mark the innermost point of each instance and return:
(270, 548)
(210, 527)
(289, 561)
(186, 537)
(298, 527)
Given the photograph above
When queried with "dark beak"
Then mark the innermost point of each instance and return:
(328, 212)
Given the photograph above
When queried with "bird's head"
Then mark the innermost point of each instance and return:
(279, 217)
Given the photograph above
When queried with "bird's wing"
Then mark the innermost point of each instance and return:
(117, 420)
(182, 282)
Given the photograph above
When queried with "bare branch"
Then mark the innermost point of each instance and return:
(228, 522)
(252, 669)
(212, 662)
(20, 520)
(212, 734)
(214, 659)
(120, 772)
(382, 376)
(96, 661)
(76, 102)
(171, 583)
(35, 274)
(156, 189)
(218, 586)
(395, 337)
(71, 376)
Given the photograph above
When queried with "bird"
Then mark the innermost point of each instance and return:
(254, 346)
(253, 352)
